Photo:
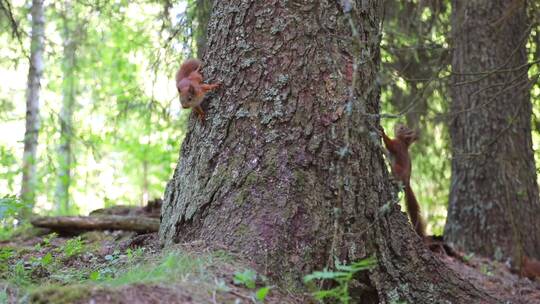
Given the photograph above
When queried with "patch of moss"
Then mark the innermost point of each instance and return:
(60, 294)
(241, 197)
(251, 178)
(242, 230)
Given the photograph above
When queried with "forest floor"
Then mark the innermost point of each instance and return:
(37, 266)
(108, 267)
(496, 279)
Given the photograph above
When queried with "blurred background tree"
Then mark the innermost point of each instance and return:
(493, 204)
(415, 78)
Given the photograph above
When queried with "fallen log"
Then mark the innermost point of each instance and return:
(152, 209)
(105, 222)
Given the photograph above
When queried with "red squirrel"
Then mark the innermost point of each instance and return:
(530, 268)
(401, 168)
(191, 88)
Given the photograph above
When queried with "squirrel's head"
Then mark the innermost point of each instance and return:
(405, 134)
(187, 95)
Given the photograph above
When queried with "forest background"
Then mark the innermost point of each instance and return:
(123, 125)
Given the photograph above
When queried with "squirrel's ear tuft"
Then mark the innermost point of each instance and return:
(191, 90)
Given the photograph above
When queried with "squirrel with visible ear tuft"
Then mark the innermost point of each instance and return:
(191, 88)
(401, 168)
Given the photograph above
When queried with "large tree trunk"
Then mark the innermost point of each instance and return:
(494, 207)
(288, 168)
(29, 178)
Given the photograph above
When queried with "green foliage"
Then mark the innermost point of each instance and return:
(47, 260)
(72, 247)
(94, 276)
(9, 167)
(468, 257)
(19, 275)
(486, 269)
(171, 267)
(262, 293)
(132, 255)
(128, 128)
(47, 240)
(10, 206)
(3, 296)
(342, 276)
(247, 278)
(5, 254)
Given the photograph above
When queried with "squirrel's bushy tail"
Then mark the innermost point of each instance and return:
(187, 67)
(414, 211)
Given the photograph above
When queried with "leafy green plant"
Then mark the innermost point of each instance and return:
(134, 254)
(10, 206)
(94, 276)
(48, 238)
(73, 247)
(246, 278)
(46, 260)
(20, 276)
(485, 269)
(262, 293)
(6, 253)
(102, 274)
(468, 257)
(342, 277)
(37, 247)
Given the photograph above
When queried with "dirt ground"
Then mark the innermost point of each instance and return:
(495, 278)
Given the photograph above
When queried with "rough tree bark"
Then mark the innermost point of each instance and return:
(493, 206)
(29, 178)
(288, 168)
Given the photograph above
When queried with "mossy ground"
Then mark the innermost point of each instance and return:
(101, 267)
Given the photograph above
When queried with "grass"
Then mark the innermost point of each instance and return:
(173, 266)
(59, 270)
(169, 268)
